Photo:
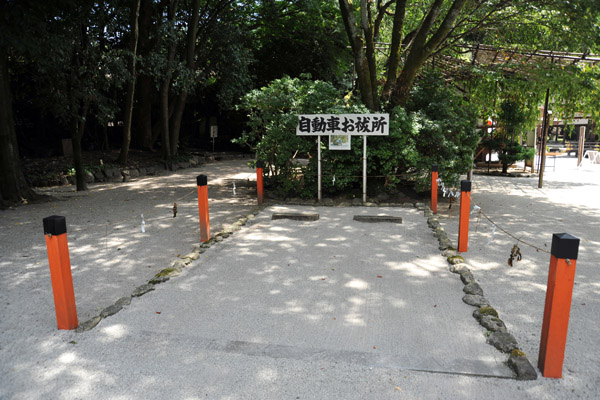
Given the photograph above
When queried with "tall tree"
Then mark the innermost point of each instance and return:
(13, 186)
(418, 31)
(148, 39)
(71, 78)
(190, 64)
(187, 56)
(431, 31)
(170, 45)
(133, 44)
(296, 37)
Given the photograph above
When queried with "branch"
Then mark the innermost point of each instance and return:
(443, 30)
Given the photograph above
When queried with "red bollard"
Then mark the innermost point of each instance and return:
(434, 188)
(55, 231)
(259, 181)
(561, 277)
(465, 209)
(202, 181)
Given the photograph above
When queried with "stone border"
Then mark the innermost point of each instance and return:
(497, 333)
(377, 218)
(513, 174)
(180, 263)
(167, 273)
(301, 216)
(114, 174)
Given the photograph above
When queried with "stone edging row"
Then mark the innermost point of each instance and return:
(167, 273)
(115, 174)
(487, 316)
(179, 264)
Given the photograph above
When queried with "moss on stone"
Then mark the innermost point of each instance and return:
(517, 353)
(456, 260)
(489, 310)
(165, 272)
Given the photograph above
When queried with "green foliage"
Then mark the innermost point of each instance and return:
(445, 131)
(437, 128)
(512, 120)
(509, 151)
(295, 37)
(273, 116)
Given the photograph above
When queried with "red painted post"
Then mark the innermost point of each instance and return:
(202, 181)
(55, 231)
(259, 181)
(434, 188)
(465, 209)
(561, 277)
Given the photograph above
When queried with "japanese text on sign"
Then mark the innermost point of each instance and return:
(343, 124)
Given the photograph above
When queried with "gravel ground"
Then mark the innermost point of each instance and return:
(189, 337)
(568, 202)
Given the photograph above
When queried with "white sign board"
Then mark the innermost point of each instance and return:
(213, 131)
(580, 121)
(343, 124)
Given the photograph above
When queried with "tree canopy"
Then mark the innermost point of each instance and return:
(160, 66)
(392, 40)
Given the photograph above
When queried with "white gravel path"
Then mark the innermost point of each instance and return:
(208, 334)
(568, 202)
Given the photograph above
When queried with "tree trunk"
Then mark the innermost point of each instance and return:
(157, 128)
(13, 186)
(145, 84)
(164, 105)
(164, 117)
(166, 83)
(422, 48)
(144, 112)
(393, 62)
(360, 60)
(190, 65)
(135, 9)
(77, 130)
(367, 27)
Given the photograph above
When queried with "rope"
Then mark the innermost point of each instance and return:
(519, 240)
(369, 176)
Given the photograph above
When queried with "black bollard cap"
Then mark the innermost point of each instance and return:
(465, 186)
(55, 225)
(260, 164)
(202, 180)
(434, 168)
(564, 246)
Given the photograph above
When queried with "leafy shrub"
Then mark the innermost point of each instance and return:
(273, 115)
(437, 127)
(512, 119)
(444, 125)
(509, 151)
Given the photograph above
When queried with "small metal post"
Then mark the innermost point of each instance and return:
(364, 199)
(319, 191)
